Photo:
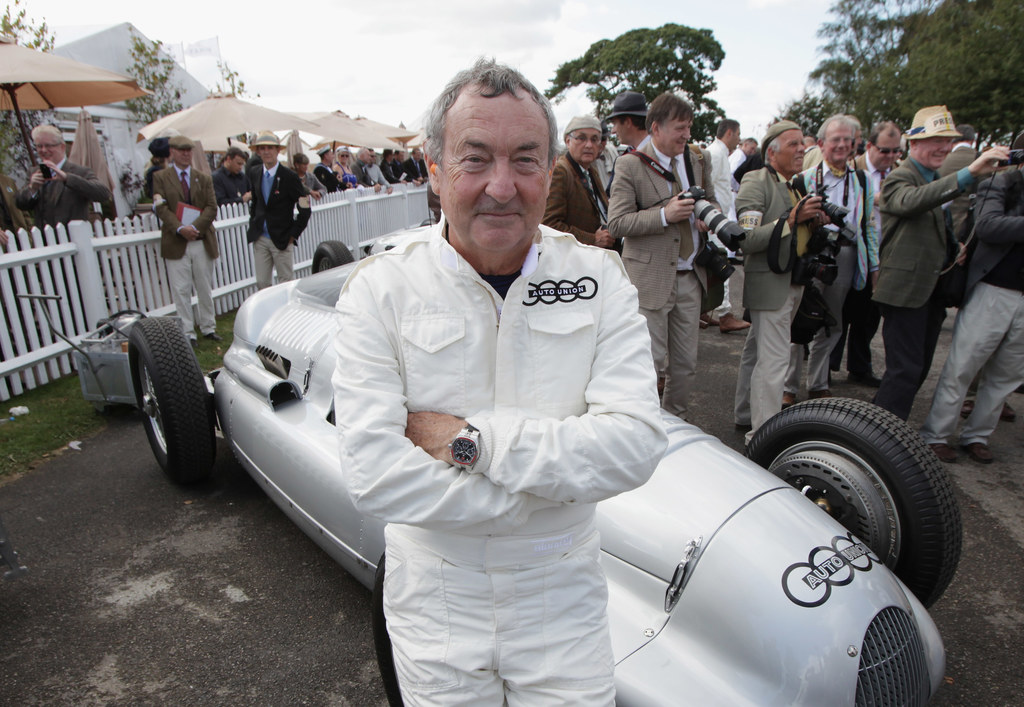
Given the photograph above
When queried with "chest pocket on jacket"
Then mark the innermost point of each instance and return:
(435, 361)
(561, 353)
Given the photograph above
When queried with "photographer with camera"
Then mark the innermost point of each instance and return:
(850, 239)
(917, 236)
(662, 235)
(775, 211)
(988, 333)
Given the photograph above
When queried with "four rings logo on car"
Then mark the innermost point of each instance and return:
(810, 583)
(550, 292)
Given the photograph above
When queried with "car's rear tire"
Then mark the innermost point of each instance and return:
(877, 477)
(331, 254)
(172, 394)
(382, 641)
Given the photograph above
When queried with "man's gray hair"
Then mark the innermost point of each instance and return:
(490, 80)
(842, 119)
(883, 127)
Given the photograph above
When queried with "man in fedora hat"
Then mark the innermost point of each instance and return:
(917, 243)
(186, 205)
(629, 119)
(273, 226)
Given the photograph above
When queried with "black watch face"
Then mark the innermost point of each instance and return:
(464, 451)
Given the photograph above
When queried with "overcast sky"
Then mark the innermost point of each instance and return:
(388, 60)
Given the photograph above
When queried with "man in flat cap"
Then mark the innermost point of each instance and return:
(576, 202)
(773, 207)
(68, 191)
(661, 239)
(917, 243)
(273, 226)
(185, 203)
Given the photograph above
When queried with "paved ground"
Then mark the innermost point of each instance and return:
(143, 593)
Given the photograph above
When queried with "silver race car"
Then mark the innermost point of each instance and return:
(729, 584)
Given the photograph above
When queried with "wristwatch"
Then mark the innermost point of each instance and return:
(465, 448)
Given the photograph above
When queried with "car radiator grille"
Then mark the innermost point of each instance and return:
(892, 668)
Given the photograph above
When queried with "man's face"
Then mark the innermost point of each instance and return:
(417, 154)
(494, 177)
(327, 158)
(584, 145)
(671, 136)
(749, 148)
(837, 144)
(50, 148)
(931, 151)
(789, 158)
(301, 168)
(268, 154)
(182, 157)
(732, 139)
(884, 153)
(625, 131)
(235, 164)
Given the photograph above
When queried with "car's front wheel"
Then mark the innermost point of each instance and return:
(875, 475)
(171, 392)
(331, 254)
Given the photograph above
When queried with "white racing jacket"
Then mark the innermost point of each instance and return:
(558, 378)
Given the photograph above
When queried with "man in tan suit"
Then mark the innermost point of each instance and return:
(661, 237)
(188, 241)
(576, 202)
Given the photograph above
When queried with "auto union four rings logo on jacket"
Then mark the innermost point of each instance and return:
(810, 583)
(550, 292)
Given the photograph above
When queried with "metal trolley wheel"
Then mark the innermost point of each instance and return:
(875, 475)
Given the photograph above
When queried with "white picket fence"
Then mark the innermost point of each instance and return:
(100, 268)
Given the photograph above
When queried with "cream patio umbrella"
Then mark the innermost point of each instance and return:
(220, 117)
(336, 128)
(392, 132)
(87, 151)
(33, 80)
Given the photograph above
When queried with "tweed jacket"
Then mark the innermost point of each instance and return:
(762, 200)
(8, 191)
(999, 224)
(954, 162)
(62, 201)
(286, 193)
(650, 251)
(867, 238)
(570, 207)
(201, 196)
(914, 240)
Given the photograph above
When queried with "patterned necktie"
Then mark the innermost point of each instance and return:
(184, 187)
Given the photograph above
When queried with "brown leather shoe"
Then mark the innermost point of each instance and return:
(709, 320)
(944, 452)
(787, 400)
(730, 323)
(814, 394)
(979, 452)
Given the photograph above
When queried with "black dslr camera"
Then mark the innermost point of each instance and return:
(819, 262)
(714, 260)
(730, 233)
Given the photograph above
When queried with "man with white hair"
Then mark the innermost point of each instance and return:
(59, 191)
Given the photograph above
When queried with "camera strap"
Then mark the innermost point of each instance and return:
(666, 174)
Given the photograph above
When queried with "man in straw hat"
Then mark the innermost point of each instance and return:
(273, 226)
(917, 243)
(186, 205)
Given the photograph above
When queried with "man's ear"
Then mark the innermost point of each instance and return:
(432, 169)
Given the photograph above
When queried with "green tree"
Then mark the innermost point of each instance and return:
(15, 22)
(966, 55)
(153, 70)
(672, 58)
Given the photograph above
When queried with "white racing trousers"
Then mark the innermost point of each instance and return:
(510, 620)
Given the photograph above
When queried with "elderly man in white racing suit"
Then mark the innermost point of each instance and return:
(494, 383)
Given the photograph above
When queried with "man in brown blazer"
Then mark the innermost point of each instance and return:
(188, 241)
(576, 202)
(661, 237)
(69, 190)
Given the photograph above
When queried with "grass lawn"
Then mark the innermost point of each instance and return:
(58, 414)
